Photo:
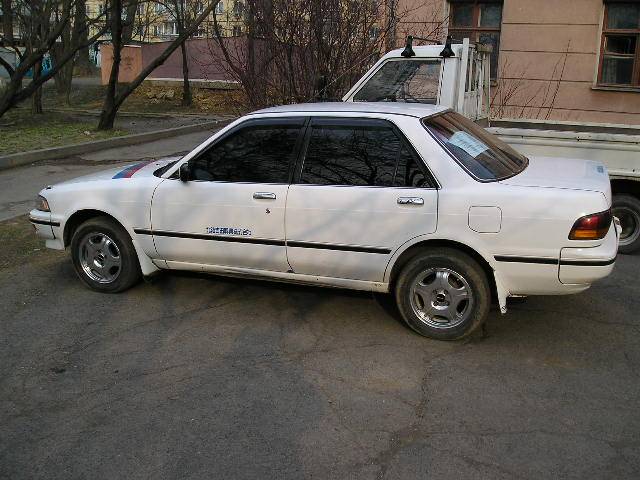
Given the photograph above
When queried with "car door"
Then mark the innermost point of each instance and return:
(360, 193)
(231, 211)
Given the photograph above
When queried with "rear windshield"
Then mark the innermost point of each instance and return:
(483, 155)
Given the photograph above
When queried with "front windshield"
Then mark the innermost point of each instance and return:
(414, 81)
(483, 155)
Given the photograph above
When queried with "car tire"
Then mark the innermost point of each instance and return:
(443, 294)
(104, 257)
(627, 209)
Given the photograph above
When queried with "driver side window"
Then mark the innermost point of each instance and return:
(257, 153)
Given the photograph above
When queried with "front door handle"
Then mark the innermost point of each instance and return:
(264, 196)
(410, 201)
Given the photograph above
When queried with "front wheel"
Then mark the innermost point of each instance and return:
(443, 294)
(103, 256)
(627, 209)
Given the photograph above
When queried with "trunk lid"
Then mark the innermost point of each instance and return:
(567, 173)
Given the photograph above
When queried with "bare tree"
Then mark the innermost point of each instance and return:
(116, 94)
(297, 51)
(42, 23)
(69, 42)
(184, 12)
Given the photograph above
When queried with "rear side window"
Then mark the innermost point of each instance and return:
(483, 155)
(367, 153)
(256, 153)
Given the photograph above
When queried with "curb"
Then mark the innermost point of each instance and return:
(22, 158)
(96, 113)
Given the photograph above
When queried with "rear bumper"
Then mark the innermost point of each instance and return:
(573, 271)
(586, 265)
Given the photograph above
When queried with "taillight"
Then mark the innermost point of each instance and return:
(591, 227)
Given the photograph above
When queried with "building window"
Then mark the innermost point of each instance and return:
(619, 52)
(238, 8)
(236, 31)
(479, 21)
(220, 7)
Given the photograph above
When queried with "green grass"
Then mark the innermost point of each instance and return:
(20, 131)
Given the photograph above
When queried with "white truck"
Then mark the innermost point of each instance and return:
(458, 76)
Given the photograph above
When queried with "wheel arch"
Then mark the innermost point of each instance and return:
(625, 186)
(80, 216)
(403, 258)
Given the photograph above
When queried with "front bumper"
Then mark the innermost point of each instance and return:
(46, 228)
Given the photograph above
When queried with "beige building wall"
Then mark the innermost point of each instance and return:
(548, 61)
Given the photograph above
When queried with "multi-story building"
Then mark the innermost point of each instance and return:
(156, 22)
(574, 60)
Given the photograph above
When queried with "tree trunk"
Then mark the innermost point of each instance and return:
(130, 22)
(186, 88)
(109, 108)
(82, 61)
(112, 101)
(108, 116)
(7, 21)
(36, 100)
(392, 25)
(62, 79)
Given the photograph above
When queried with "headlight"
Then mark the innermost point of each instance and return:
(42, 204)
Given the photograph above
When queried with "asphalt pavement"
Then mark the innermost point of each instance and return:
(202, 377)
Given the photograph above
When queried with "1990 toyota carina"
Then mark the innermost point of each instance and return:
(412, 199)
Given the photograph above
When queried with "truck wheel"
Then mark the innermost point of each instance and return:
(104, 257)
(627, 209)
(443, 294)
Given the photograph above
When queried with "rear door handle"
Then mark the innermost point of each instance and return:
(410, 201)
(264, 196)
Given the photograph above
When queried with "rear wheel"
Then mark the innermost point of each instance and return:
(627, 209)
(103, 256)
(443, 294)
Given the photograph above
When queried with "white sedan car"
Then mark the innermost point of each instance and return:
(409, 199)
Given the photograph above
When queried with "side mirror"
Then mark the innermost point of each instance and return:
(185, 172)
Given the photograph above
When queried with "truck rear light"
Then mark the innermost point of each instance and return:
(591, 227)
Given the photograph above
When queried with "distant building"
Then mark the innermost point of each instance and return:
(574, 60)
(154, 22)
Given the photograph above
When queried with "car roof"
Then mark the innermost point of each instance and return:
(418, 110)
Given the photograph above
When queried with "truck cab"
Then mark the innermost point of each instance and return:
(457, 79)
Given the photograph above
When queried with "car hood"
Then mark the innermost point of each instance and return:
(137, 170)
(567, 173)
